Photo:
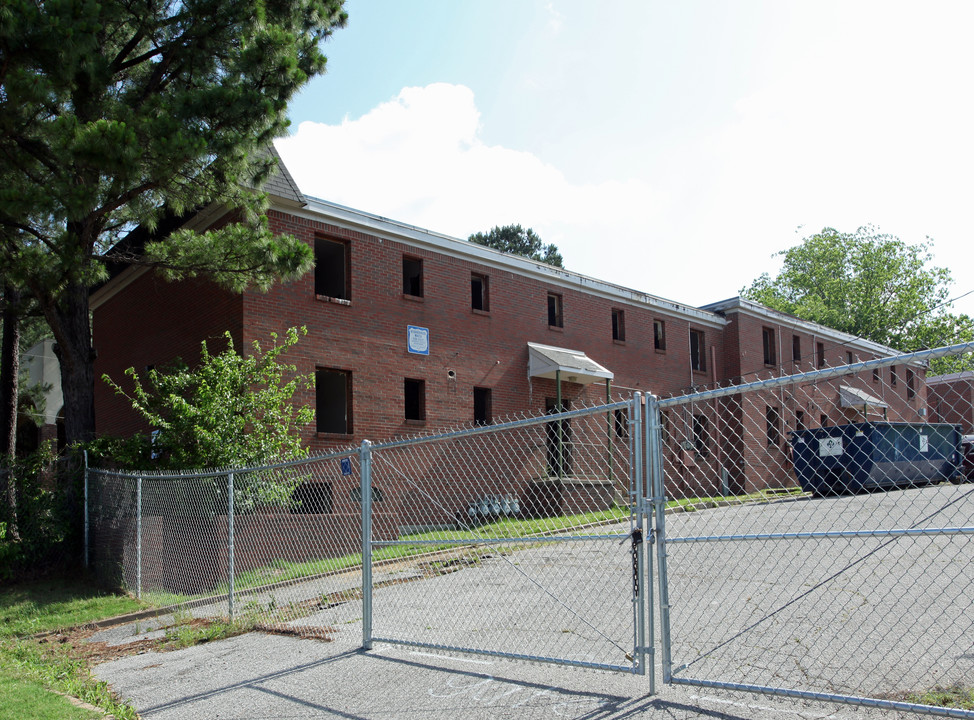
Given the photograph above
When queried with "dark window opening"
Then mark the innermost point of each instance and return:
(618, 325)
(659, 334)
(558, 441)
(62, 436)
(701, 434)
(799, 420)
(414, 392)
(698, 355)
(770, 350)
(333, 401)
(892, 376)
(412, 276)
(622, 424)
(331, 268)
(482, 411)
(479, 298)
(875, 375)
(796, 348)
(773, 422)
(555, 317)
(824, 421)
(910, 385)
(849, 357)
(820, 354)
(311, 498)
(355, 494)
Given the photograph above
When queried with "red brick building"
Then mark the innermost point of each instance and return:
(951, 399)
(410, 330)
(760, 343)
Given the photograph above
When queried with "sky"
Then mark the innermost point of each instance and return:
(669, 147)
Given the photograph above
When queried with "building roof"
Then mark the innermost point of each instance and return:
(376, 225)
(739, 304)
(282, 185)
(950, 377)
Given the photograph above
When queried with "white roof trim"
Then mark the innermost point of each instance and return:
(546, 361)
(950, 377)
(327, 212)
(757, 309)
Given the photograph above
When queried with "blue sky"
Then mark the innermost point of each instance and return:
(668, 147)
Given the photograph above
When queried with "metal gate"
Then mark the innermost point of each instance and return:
(855, 589)
(475, 541)
(522, 539)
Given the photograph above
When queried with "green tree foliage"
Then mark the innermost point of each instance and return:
(871, 285)
(516, 240)
(47, 534)
(230, 411)
(119, 114)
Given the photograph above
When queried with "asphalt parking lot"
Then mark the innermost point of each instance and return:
(735, 618)
(258, 676)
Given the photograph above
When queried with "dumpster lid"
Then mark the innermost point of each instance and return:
(850, 397)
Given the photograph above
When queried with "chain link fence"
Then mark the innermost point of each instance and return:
(526, 532)
(812, 536)
(818, 540)
(513, 540)
(274, 545)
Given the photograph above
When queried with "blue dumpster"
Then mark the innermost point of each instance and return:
(864, 456)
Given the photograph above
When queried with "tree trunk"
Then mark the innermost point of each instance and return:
(70, 323)
(9, 374)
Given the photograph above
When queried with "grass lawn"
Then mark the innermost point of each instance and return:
(30, 667)
(24, 698)
(44, 654)
(437, 540)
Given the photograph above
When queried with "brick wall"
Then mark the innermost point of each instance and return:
(367, 337)
(153, 322)
(953, 401)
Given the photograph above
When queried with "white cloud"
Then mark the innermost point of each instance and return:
(419, 158)
(556, 20)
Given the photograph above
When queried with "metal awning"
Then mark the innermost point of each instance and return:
(850, 397)
(545, 361)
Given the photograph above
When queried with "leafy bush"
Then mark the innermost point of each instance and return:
(230, 411)
(48, 508)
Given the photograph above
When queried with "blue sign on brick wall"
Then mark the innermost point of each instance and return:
(418, 340)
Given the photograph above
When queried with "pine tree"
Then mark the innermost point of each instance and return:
(118, 114)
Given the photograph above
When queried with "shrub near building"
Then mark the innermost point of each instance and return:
(232, 410)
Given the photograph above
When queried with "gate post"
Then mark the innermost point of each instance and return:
(655, 463)
(365, 472)
(639, 551)
(230, 559)
(87, 529)
(138, 537)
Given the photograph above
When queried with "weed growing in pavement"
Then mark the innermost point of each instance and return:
(955, 696)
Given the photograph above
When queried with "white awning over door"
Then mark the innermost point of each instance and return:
(850, 397)
(545, 361)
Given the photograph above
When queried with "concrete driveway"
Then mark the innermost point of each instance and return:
(718, 589)
(258, 676)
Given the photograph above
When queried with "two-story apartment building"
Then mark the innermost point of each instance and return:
(410, 330)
